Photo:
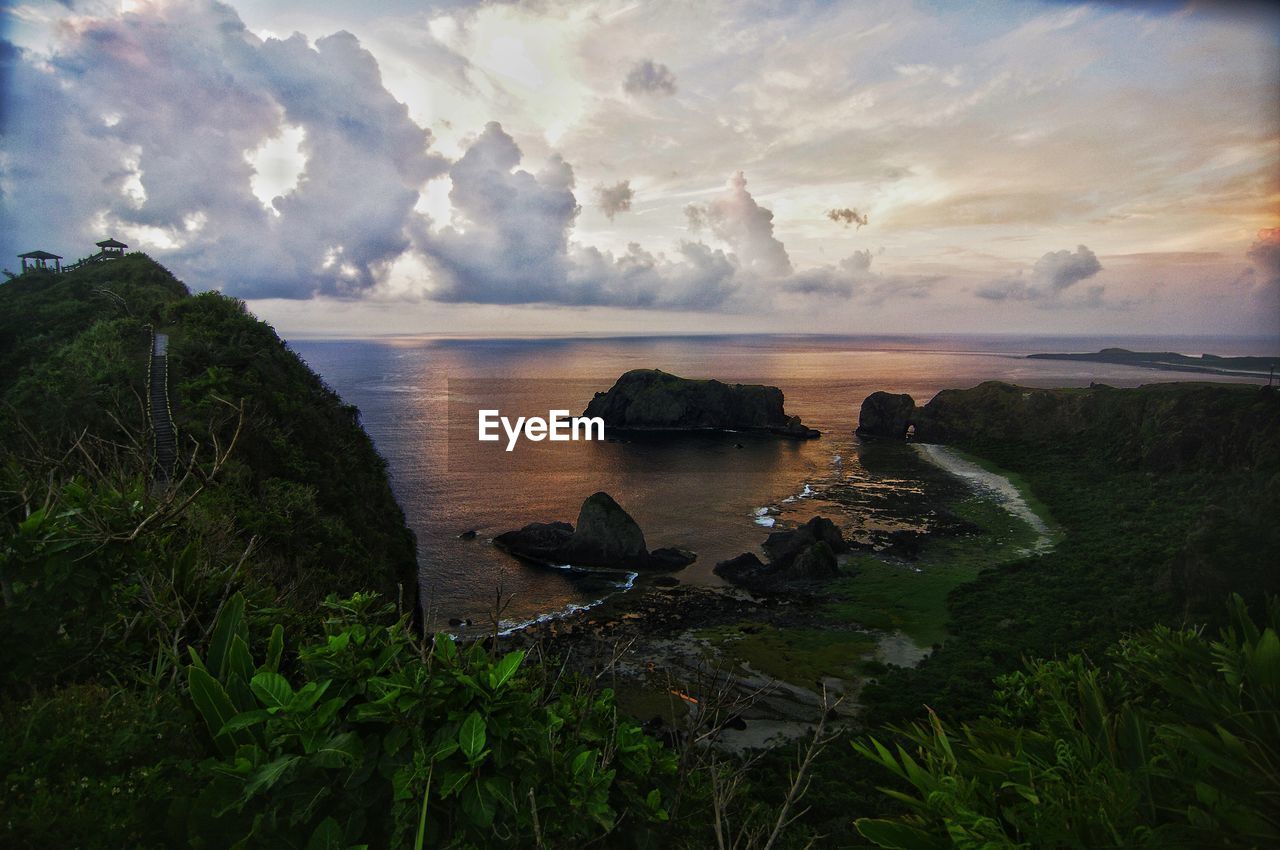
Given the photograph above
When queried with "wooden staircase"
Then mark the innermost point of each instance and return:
(164, 436)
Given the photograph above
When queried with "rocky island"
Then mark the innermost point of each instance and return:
(605, 536)
(653, 400)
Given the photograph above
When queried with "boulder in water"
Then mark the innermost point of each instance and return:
(606, 536)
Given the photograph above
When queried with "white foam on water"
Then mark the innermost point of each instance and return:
(766, 521)
(507, 627)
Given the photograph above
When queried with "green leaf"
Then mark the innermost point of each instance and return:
(342, 750)
(245, 720)
(896, 836)
(272, 689)
(275, 649)
(327, 836)
(308, 695)
(268, 775)
(215, 707)
(453, 782)
(478, 805)
(229, 624)
(505, 669)
(445, 648)
(471, 736)
(581, 760)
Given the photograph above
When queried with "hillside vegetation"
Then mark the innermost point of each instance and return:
(233, 660)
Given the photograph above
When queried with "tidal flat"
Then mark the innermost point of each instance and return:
(921, 520)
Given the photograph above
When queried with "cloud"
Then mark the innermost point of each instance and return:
(735, 217)
(511, 238)
(149, 119)
(1265, 255)
(852, 277)
(847, 216)
(511, 244)
(616, 198)
(1059, 270)
(650, 78)
(1051, 276)
(1265, 295)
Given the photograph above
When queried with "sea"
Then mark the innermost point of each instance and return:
(717, 495)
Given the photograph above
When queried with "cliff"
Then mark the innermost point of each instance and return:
(303, 499)
(652, 400)
(1157, 427)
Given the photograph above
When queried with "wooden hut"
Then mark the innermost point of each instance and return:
(111, 249)
(39, 261)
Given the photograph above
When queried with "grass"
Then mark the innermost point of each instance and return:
(884, 594)
(801, 656)
(912, 597)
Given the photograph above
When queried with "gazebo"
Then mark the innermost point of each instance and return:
(111, 248)
(40, 261)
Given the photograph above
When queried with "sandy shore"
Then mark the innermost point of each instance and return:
(996, 486)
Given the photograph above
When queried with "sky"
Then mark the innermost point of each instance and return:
(557, 167)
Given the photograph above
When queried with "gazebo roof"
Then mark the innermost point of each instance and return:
(111, 243)
(38, 255)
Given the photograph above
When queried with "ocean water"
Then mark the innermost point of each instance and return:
(715, 495)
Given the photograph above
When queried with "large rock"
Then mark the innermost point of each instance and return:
(886, 415)
(783, 547)
(606, 536)
(800, 556)
(746, 569)
(652, 400)
(816, 563)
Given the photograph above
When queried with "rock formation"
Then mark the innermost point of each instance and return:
(886, 415)
(606, 536)
(1157, 427)
(801, 555)
(652, 400)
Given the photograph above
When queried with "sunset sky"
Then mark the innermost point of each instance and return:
(565, 167)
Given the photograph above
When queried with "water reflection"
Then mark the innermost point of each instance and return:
(418, 399)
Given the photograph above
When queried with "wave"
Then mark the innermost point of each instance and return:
(508, 627)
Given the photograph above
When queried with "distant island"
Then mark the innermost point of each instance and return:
(1241, 367)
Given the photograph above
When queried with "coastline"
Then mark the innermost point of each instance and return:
(994, 484)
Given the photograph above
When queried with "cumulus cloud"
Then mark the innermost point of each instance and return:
(735, 217)
(511, 244)
(149, 124)
(163, 105)
(847, 216)
(615, 199)
(1265, 255)
(511, 238)
(853, 277)
(1050, 277)
(650, 78)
